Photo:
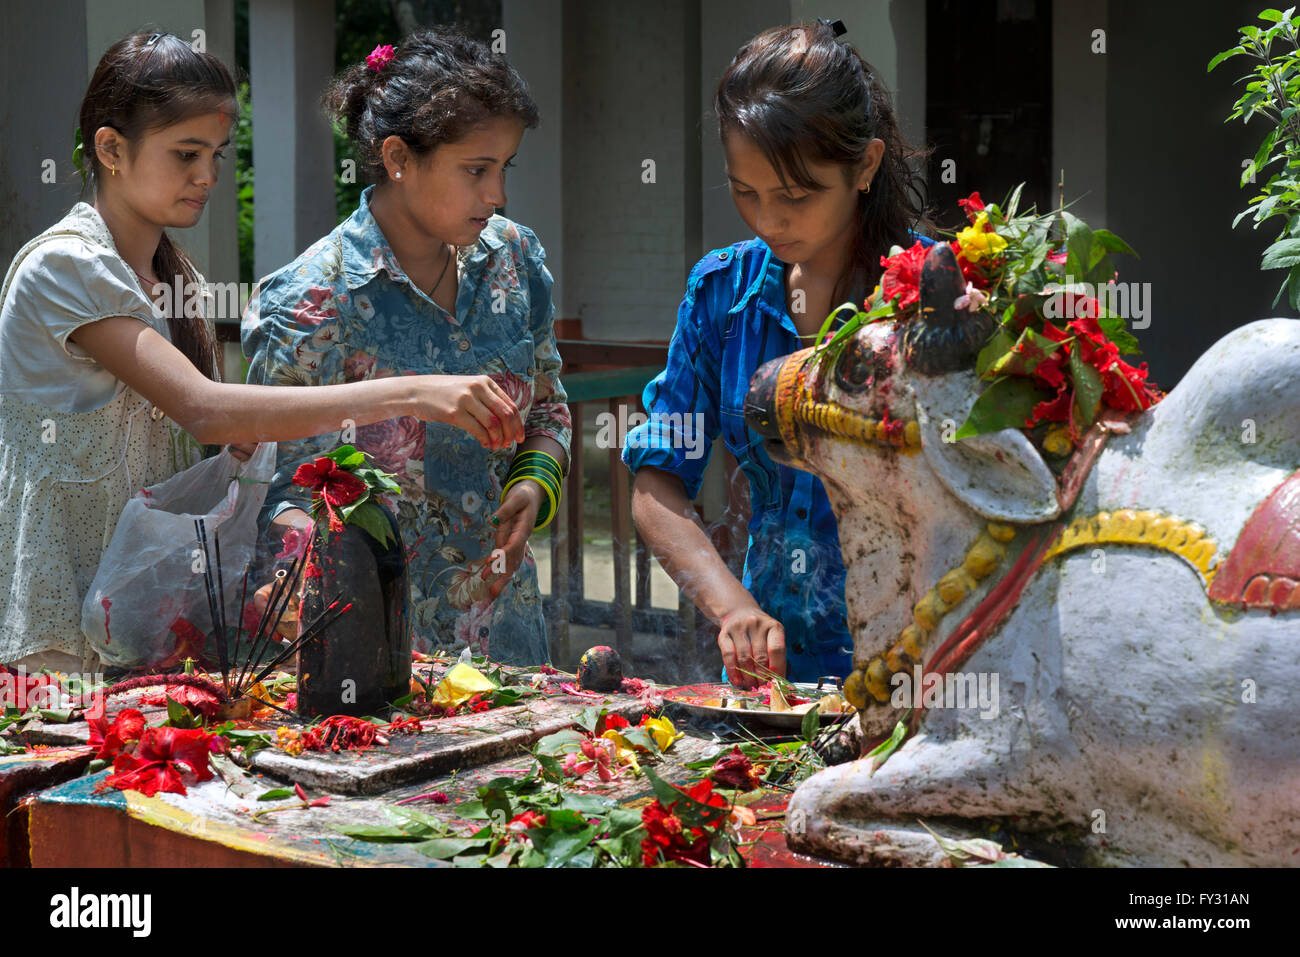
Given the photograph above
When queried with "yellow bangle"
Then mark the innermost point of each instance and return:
(550, 495)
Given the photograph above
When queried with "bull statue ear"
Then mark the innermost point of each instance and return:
(998, 475)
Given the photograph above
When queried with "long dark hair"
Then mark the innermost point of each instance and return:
(824, 103)
(436, 88)
(143, 83)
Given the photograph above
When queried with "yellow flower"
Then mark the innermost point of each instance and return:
(459, 685)
(663, 732)
(978, 241)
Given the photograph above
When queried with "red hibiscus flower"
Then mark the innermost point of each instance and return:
(902, 276)
(157, 762)
(611, 721)
(972, 206)
(520, 824)
(338, 487)
(970, 271)
(197, 700)
(734, 770)
(113, 738)
(668, 836)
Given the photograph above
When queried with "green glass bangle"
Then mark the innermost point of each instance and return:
(537, 474)
(551, 499)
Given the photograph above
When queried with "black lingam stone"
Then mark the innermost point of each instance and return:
(363, 660)
(600, 669)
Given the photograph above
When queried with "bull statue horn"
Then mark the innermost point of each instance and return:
(943, 338)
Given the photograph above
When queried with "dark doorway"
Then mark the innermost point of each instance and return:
(989, 87)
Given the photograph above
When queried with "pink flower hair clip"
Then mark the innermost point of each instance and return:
(379, 57)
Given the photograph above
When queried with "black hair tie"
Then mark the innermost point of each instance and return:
(837, 26)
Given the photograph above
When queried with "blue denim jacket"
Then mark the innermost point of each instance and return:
(731, 321)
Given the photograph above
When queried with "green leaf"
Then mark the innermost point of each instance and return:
(641, 738)
(1220, 57)
(276, 794)
(378, 835)
(1005, 404)
(1293, 280)
(561, 742)
(372, 519)
(558, 847)
(998, 345)
(56, 715)
(810, 725)
(1271, 15)
(496, 802)
(1029, 352)
(1116, 332)
(1014, 201)
(891, 744)
(417, 822)
(341, 453)
(590, 805)
(1261, 154)
(1283, 253)
(1087, 390)
(445, 848)
(588, 718)
(1079, 246)
(1112, 243)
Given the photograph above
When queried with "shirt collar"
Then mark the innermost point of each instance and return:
(767, 286)
(366, 251)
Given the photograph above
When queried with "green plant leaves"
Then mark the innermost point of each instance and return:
(1005, 404)
(1087, 390)
(810, 725)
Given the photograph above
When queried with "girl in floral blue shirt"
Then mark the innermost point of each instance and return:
(819, 171)
(424, 278)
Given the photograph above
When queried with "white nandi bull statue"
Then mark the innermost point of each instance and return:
(1141, 617)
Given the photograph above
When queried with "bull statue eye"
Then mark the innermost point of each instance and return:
(854, 370)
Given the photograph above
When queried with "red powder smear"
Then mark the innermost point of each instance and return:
(312, 570)
(107, 603)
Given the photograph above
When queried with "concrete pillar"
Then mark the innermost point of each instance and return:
(42, 101)
(534, 188)
(291, 59)
(1079, 116)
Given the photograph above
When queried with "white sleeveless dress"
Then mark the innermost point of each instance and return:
(75, 442)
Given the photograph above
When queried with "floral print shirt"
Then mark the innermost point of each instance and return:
(344, 311)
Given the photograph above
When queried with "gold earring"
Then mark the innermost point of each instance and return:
(112, 170)
(868, 189)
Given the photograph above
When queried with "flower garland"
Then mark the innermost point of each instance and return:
(1054, 358)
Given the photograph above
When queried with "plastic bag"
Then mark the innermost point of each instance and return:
(148, 603)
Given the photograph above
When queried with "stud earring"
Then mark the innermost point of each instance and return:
(397, 175)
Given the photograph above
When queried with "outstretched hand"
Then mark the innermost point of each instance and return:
(514, 522)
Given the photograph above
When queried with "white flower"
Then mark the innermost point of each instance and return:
(470, 502)
(973, 299)
(364, 307)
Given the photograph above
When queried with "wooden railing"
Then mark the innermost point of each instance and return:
(616, 374)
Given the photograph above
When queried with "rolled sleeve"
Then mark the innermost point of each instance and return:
(682, 402)
(549, 415)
